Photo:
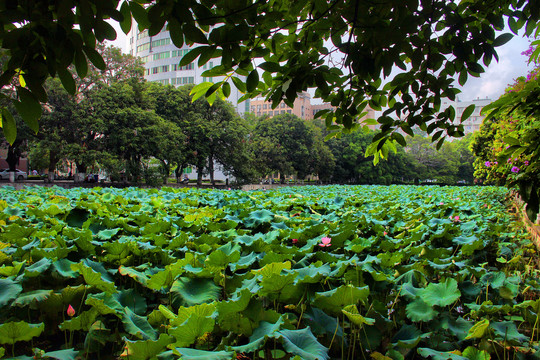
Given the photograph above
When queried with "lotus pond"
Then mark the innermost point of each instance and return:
(357, 272)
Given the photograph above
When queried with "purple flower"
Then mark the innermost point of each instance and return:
(526, 162)
(487, 163)
(509, 161)
(515, 169)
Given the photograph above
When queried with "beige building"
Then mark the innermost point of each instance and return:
(302, 107)
(474, 121)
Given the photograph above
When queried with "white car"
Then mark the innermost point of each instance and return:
(19, 175)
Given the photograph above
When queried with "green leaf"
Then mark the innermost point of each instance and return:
(125, 24)
(472, 353)
(258, 338)
(82, 322)
(195, 354)
(9, 290)
(67, 354)
(252, 81)
(304, 344)
(354, 316)
(240, 85)
(467, 112)
(37, 268)
(194, 34)
(12, 332)
(478, 330)
(176, 33)
(29, 108)
(81, 64)
(335, 300)
(140, 15)
(507, 331)
(502, 39)
(226, 89)
(418, 310)
(30, 297)
(9, 127)
(94, 278)
(195, 291)
(270, 66)
(146, 349)
(510, 140)
(439, 355)
(67, 80)
(441, 294)
(138, 325)
(95, 57)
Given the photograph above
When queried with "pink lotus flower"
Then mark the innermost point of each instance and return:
(294, 241)
(325, 241)
(70, 311)
(385, 233)
(514, 169)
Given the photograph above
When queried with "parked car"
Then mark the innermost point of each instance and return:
(19, 174)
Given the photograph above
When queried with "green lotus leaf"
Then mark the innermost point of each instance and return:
(146, 349)
(472, 353)
(105, 303)
(418, 310)
(478, 330)
(244, 262)
(441, 294)
(63, 268)
(30, 297)
(322, 324)
(13, 271)
(258, 338)
(37, 268)
(507, 331)
(67, 354)
(94, 278)
(195, 291)
(2, 351)
(138, 325)
(17, 234)
(195, 354)
(163, 279)
(304, 344)
(77, 217)
(238, 302)
(12, 332)
(107, 234)
(408, 337)
(259, 217)
(192, 328)
(9, 290)
(354, 316)
(312, 274)
(140, 277)
(334, 301)
(97, 337)
(439, 355)
(82, 322)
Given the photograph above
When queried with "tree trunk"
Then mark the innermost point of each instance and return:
(53, 160)
(200, 170)
(211, 168)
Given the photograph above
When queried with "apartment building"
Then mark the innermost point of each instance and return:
(302, 107)
(474, 121)
(161, 60)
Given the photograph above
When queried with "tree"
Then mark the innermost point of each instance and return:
(343, 48)
(288, 145)
(508, 144)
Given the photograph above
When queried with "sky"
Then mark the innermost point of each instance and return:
(491, 83)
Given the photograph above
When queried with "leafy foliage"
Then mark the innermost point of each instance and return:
(415, 271)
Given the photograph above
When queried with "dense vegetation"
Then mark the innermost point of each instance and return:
(311, 273)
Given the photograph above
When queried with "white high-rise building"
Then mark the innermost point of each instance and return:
(161, 58)
(473, 122)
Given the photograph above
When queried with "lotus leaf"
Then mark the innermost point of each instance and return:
(14, 331)
(335, 300)
(146, 349)
(82, 322)
(439, 355)
(9, 290)
(195, 291)
(66, 354)
(195, 354)
(441, 294)
(138, 325)
(304, 344)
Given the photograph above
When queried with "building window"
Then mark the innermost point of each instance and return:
(283, 111)
(161, 42)
(162, 55)
(259, 108)
(270, 113)
(282, 106)
(289, 111)
(265, 106)
(142, 34)
(165, 68)
(155, 70)
(143, 47)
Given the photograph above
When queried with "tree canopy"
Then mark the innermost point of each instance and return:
(347, 50)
